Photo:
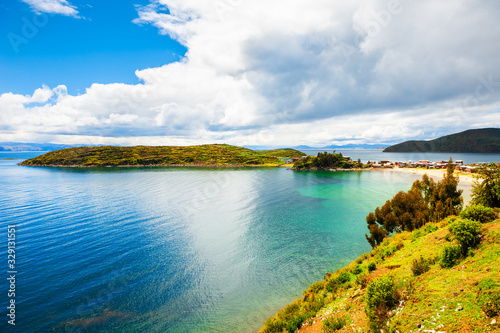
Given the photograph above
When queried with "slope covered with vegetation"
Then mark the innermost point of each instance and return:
(407, 283)
(429, 276)
(206, 155)
(485, 140)
(281, 153)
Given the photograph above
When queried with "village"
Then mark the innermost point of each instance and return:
(425, 164)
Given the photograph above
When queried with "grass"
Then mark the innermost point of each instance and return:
(413, 290)
(203, 155)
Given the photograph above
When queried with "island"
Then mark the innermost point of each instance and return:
(202, 155)
(484, 140)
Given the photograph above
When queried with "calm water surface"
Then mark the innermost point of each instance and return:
(176, 249)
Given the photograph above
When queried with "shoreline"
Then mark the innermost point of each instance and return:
(436, 173)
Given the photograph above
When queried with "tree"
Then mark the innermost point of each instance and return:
(486, 188)
(425, 201)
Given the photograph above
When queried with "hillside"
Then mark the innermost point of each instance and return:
(402, 284)
(204, 155)
(486, 140)
(281, 153)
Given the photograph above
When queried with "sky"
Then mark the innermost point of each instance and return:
(251, 73)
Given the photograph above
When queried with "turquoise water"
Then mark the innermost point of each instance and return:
(176, 249)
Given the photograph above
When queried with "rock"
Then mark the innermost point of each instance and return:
(493, 322)
(419, 325)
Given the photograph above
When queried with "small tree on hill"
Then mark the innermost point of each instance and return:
(486, 189)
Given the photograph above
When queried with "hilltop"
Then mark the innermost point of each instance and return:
(405, 274)
(203, 155)
(485, 140)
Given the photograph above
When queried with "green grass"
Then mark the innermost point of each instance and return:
(203, 155)
(410, 288)
(281, 153)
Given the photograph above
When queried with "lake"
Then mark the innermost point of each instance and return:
(171, 249)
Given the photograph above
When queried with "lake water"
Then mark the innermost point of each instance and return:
(176, 249)
(376, 155)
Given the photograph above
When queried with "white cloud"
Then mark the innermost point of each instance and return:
(62, 7)
(289, 73)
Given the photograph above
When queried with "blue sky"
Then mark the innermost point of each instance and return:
(103, 46)
(280, 73)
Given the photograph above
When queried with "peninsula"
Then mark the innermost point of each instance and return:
(484, 140)
(202, 155)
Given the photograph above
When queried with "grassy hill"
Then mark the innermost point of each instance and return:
(203, 155)
(402, 283)
(281, 153)
(486, 140)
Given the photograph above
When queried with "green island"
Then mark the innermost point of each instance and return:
(326, 161)
(484, 140)
(202, 155)
(434, 267)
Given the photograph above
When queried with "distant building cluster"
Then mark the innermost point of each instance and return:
(458, 164)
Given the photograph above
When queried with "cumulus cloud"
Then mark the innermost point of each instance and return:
(289, 72)
(62, 7)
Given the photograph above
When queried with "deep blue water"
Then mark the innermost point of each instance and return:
(176, 249)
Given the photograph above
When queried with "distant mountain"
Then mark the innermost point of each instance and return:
(485, 140)
(357, 146)
(21, 146)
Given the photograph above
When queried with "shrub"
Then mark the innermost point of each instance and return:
(344, 277)
(362, 280)
(333, 324)
(419, 266)
(380, 297)
(478, 213)
(430, 228)
(357, 270)
(467, 233)
(372, 266)
(489, 301)
(450, 256)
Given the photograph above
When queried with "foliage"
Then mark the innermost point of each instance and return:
(467, 233)
(333, 324)
(406, 211)
(281, 153)
(372, 266)
(419, 266)
(325, 161)
(362, 280)
(490, 302)
(484, 140)
(478, 213)
(380, 298)
(486, 189)
(450, 256)
(206, 155)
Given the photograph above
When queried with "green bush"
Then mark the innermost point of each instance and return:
(419, 266)
(344, 277)
(478, 213)
(489, 301)
(450, 256)
(333, 324)
(372, 266)
(362, 280)
(467, 233)
(357, 270)
(380, 297)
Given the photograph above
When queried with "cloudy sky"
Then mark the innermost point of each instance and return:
(271, 73)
